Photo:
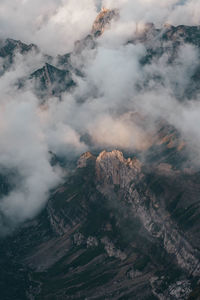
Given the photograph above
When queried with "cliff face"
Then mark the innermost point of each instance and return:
(144, 203)
(114, 229)
(112, 168)
(103, 20)
(9, 46)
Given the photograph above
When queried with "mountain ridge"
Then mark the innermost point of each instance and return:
(121, 224)
(110, 213)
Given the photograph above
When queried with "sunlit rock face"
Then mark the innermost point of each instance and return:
(85, 159)
(113, 168)
(103, 20)
(176, 34)
(9, 46)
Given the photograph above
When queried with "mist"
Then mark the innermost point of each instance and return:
(116, 103)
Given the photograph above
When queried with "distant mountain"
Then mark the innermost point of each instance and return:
(9, 46)
(52, 80)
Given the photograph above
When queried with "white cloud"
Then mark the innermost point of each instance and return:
(158, 12)
(106, 104)
(54, 25)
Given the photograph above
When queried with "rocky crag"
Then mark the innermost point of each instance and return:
(113, 230)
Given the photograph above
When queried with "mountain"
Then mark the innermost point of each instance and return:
(115, 229)
(9, 46)
(52, 79)
(122, 224)
(103, 20)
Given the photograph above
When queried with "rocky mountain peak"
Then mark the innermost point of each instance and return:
(112, 167)
(8, 46)
(117, 155)
(113, 154)
(85, 159)
(103, 20)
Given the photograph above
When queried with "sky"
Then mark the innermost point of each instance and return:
(105, 104)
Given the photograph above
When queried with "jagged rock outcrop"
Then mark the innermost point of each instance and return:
(103, 20)
(9, 46)
(177, 35)
(112, 168)
(52, 80)
(85, 159)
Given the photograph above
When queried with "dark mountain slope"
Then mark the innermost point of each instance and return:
(9, 46)
(52, 80)
(114, 230)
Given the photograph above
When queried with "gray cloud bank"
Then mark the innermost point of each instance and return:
(116, 103)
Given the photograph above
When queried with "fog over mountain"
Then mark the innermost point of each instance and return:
(103, 100)
(54, 25)
(129, 81)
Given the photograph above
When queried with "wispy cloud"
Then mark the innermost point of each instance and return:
(116, 103)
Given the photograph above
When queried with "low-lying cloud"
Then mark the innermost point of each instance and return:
(115, 104)
(54, 25)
